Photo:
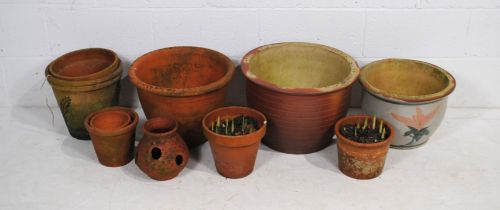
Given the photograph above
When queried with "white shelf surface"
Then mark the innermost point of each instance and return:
(43, 168)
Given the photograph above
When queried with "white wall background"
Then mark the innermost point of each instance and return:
(462, 36)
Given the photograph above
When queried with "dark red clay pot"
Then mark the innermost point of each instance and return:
(114, 142)
(234, 155)
(358, 160)
(161, 153)
(303, 89)
(85, 64)
(183, 83)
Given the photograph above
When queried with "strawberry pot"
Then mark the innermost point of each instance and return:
(410, 94)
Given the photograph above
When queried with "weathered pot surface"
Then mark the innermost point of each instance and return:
(161, 153)
(110, 120)
(303, 89)
(84, 64)
(114, 146)
(183, 83)
(234, 155)
(410, 94)
(361, 160)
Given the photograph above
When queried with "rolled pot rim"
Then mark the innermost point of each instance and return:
(232, 141)
(347, 82)
(402, 98)
(114, 64)
(131, 126)
(220, 83)
(62, 83)
(125, 123)
(170, 132)
(87, 88)
(340, 137)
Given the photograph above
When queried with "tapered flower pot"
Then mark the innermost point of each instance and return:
(234, 155)
(183, 83)
(303, 89)
(84, 64)
(410, 94)
(113, 134)
(161, 153)
(361, 160)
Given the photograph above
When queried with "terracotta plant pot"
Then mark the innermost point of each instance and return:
(183, 83)
(84, 64)
(113, 142)
(234, 155)
(303, 89)
(161, 153)
(59, 82)
(410, 94)
(361, 160)
(76, 102)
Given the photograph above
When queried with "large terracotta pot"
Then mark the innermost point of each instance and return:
(84, 64)
(161, 153)
(183, 83)
(410, 94)
(303, 89)
(361, 160)
(76, 102)
(234, 155)
(113, 134)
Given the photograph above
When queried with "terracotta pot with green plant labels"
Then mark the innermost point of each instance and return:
(362, 143)
(234, 134)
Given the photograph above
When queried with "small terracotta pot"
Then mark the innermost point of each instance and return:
(234, 155)
(359, 160)
(76, 102)
(303, 89)
(161, 153)
(183, 83)
(410, 94)
(110, 120)
(84, 64)
(114, 145)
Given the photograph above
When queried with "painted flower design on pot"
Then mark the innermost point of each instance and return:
(417, 123)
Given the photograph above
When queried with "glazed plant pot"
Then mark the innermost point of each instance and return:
(361, 160)
(410, 94)
(113, 134)
(84, 64)
(76, 102)
(183, 83)
(234, 155)
(303, 89)
(161, 153)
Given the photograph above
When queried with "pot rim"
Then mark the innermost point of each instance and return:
(168, 133)
(402, 98)
(87, 88)
(114, 64)
(342, 138)
(59, 82)
(127, 119)
(165, 91)
(130, 127)
(347, 82)
(235, 141)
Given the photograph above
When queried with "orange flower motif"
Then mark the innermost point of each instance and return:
(417, 121)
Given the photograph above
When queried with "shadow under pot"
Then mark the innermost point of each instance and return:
(234, 134)
(113, 134)
(182, 83)
(302, 89)
(161, 153)
(411, 95)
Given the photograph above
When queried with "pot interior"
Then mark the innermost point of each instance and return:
(160, 125)
(110, 120)
(83, 62)
(181, 67)
(405, 78)
(299, 66)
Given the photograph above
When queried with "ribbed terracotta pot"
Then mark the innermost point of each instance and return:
(84, 64)
(410, 94)
(161, 153)
(234, 155)
(303, 89)
(76, 102)
(361, 160)
(113, 134)
(183, 83)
